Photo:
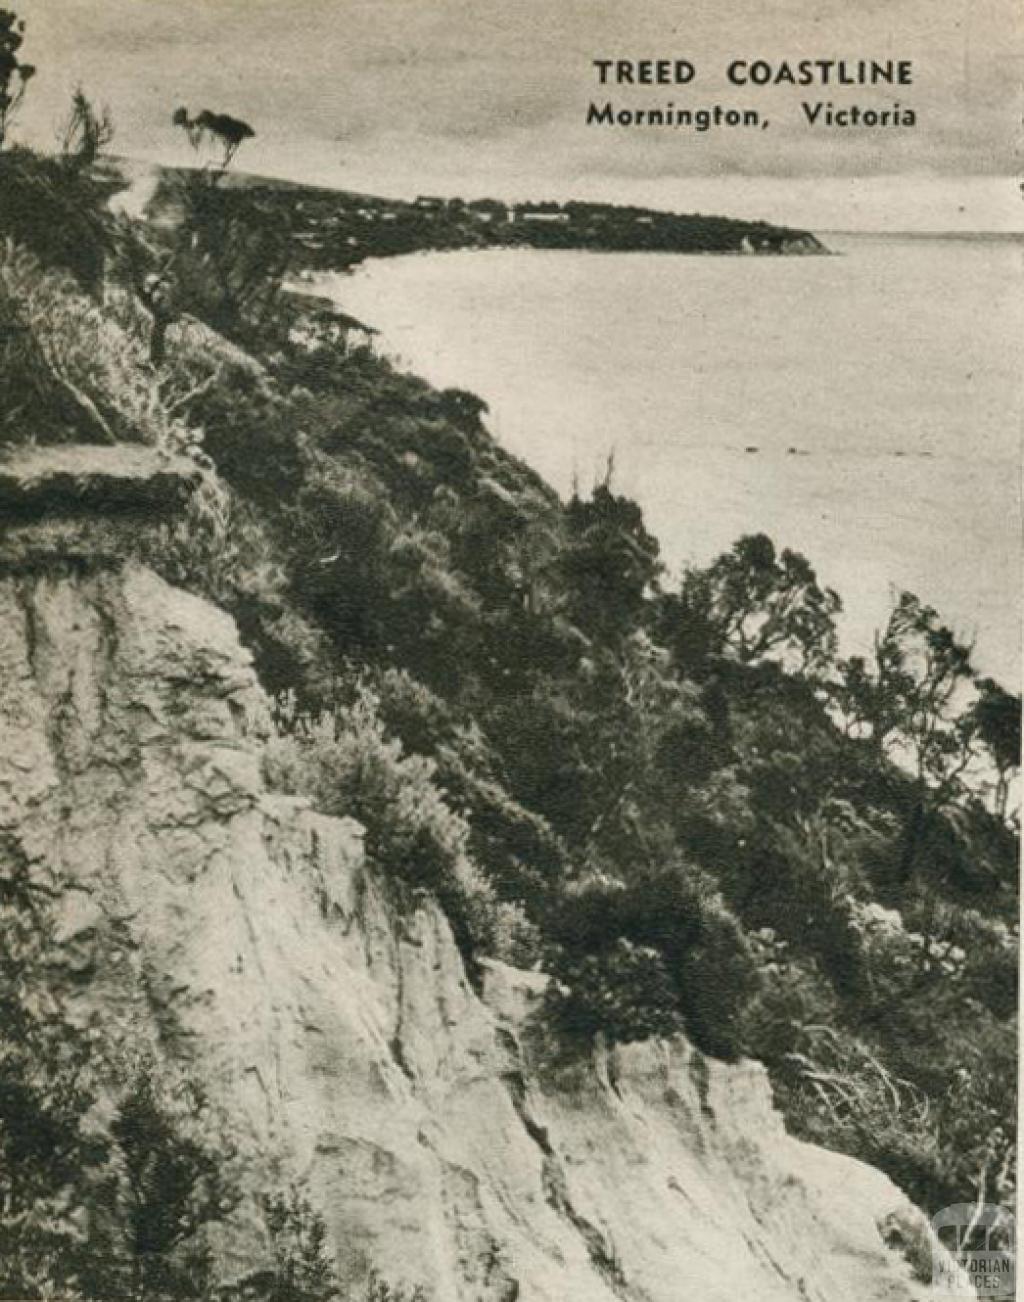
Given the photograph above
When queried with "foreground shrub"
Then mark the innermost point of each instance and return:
(346, 762)
(68, 371)
(52, 1159)
(625, 992)
(302, 1269)
(835, 1091)
(58, 211)
(381, 1290)
(612, 932)
(174, 1181)
(716, 978)
(792, 997)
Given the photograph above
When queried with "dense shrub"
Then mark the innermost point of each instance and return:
(625, 992)
(716, 977)
(251, 432)
(705, 972)
(53, 1160)
(230, 252)
(608, 564)
(96, 1201)
(346, 526)
(787, 877)
(68, 371)
(302, 1269)
(515, 847)
(345, 761)
(792, 996)
(174, 1180)
(57, 210)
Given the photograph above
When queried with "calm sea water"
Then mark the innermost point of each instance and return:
(863, 409)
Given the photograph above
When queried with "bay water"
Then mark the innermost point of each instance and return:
(864, 409)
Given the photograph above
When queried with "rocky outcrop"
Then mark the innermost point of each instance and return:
(246, 938)
(802, 245)
(61, 481)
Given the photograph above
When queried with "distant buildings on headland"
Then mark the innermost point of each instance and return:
(336, 229)
(333, 230)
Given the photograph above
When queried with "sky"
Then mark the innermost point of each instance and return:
(478, 97)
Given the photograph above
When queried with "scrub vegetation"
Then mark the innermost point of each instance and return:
(671, 792)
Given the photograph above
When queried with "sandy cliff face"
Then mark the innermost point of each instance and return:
(246, 937)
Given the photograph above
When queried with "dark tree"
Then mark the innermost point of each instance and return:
(57, 206)
(225, 133)
(609, 565)
(911, 704)
(175, 1184)
(51, 1159)
(911, 699)
(302, 1268)
(997, 720)
(752, 603)
(15, 74)
(233, 247)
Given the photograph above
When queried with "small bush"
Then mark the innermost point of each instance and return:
(349, 765)
(516, 940)
(303, 1270)
(791, 997)
(380, 1290)
(625, 992)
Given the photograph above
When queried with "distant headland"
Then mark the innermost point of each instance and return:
(337, 229)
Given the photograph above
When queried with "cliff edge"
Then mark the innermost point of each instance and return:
(247, 940)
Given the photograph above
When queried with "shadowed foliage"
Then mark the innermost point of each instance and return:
(678, 798)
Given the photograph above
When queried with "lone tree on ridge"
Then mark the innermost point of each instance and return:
(224, 132)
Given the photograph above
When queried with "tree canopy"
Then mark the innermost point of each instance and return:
(15, 73)
(752, 603)
(224, 132)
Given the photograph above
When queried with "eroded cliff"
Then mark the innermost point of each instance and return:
(248, 940)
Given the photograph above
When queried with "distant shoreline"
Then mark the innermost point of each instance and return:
(684, 366)
(995, 236)
(332, 230)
